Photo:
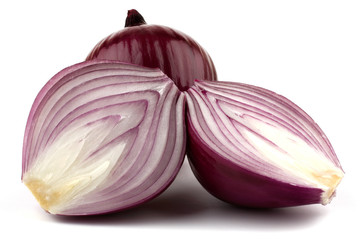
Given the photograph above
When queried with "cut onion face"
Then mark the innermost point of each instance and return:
(103, 136)
(252, 147)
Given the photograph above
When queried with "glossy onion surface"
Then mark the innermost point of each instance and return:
(103, 136)
(176, 54)
(252, 147)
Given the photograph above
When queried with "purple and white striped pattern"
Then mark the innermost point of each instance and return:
(122, 122)
(257, 148)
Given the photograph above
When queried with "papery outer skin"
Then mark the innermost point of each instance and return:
(96, 202)
(238, 185)
(176, 54)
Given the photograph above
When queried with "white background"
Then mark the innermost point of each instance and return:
(308, 51)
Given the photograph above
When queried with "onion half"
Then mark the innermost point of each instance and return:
(103, 136)
(252, 147)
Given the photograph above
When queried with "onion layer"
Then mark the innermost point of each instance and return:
(103, 136)
(252, 147)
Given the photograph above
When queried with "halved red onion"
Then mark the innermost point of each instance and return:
(103, 136)
(178, 55)
(252, 147)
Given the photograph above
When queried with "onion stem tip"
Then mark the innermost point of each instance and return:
(134, 18)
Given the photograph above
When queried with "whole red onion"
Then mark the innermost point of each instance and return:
(179, 56)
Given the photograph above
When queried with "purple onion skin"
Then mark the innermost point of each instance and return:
(179, 56)
(233, 184)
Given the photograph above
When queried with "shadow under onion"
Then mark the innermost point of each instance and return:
(185, 204)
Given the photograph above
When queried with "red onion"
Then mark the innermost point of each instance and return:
(252, 147)
(103, 136)
(176, 54)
